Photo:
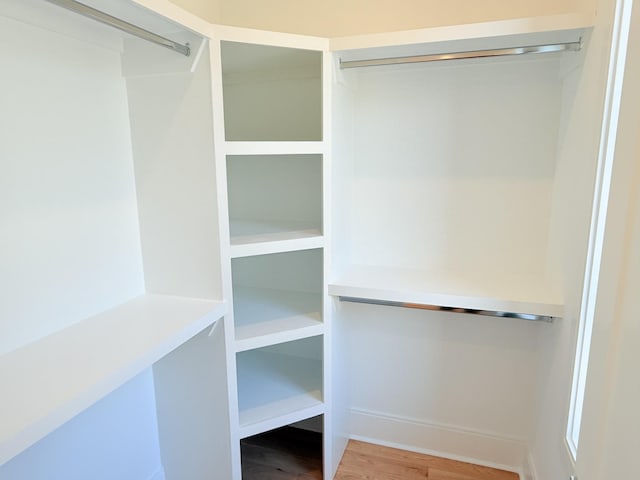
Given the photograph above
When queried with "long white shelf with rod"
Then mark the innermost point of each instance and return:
(53, 379)
(487, 294)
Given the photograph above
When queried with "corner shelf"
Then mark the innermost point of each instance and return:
(277, 389)
(250, 237)
(491, 292)
(274, 148)
(268, 316)
(53, 379)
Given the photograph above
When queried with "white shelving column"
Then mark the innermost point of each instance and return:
(271, 108)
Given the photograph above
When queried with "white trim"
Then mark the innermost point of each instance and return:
(606, 155)
(473, 31)
(529, 471)
(266, 37)
(488, 449)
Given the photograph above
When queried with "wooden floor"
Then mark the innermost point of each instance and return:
(284, 454)
(293, 454)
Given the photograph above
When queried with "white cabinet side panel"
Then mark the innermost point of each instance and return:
(175, 178)
(115, 438)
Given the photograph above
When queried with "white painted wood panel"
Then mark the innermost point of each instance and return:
(274, 196)
(276, 389)
(52, 380)
(473, 290)
(271, 93)
(274, 148)
(495, 34)
(172, 130)
(265, 316)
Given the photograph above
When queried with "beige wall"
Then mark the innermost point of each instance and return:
(331, 18)
(206, 9)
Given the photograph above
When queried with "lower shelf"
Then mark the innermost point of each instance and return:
(276, 389)
(53, 379)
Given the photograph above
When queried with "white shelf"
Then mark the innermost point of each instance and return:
(276, 389)
(274, 148)
(261, 237)
(50, 381)
(484, 35)
(477, 291)
(267, 316)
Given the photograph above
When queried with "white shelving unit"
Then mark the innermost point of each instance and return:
(442, 184)
(274, 157)
(52, 380)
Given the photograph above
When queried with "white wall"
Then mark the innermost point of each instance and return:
(114, 439)
(454, 384)
(69, 237)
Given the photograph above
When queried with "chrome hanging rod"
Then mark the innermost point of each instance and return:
(501, 52)
(440, 308)
(127, 27)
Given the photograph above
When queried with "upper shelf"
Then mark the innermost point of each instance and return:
(51, 380)
(489, 292)
(477, 36)
(274, 148)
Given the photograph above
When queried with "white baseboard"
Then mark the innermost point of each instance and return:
(529, 469)
(158, 474)
(482, 448)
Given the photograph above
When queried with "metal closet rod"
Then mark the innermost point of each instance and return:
(127, 27)
(440, 308)
(501, 52)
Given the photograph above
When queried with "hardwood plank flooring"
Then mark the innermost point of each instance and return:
(293, 454)
(365, 461)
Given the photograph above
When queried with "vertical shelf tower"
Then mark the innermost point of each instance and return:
(270, 103)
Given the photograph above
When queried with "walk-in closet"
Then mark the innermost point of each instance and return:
(217, 236)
